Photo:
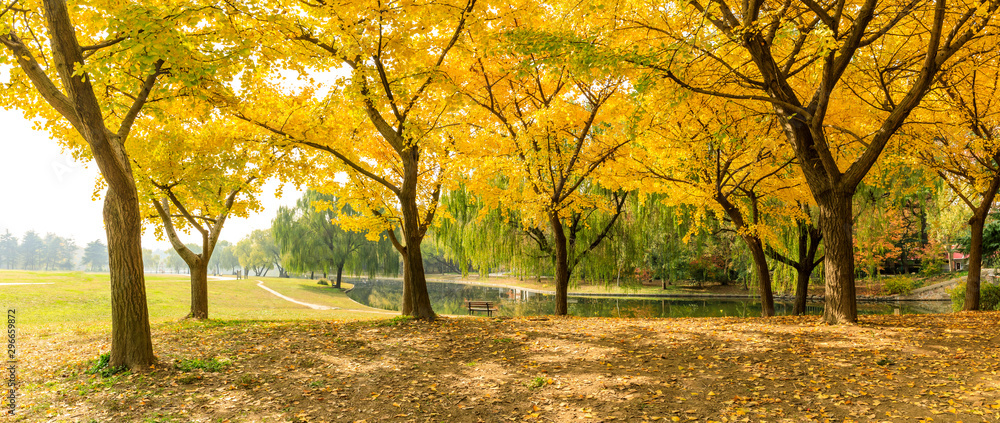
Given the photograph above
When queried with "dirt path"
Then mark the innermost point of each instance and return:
(317, 306)
(292, 300)
(937, 291)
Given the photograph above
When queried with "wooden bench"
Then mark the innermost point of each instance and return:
(486, 306)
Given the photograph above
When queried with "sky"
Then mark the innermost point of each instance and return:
(44, 189)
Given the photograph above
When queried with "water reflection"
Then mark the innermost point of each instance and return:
(449, 298)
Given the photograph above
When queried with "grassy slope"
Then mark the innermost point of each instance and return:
(83, 300)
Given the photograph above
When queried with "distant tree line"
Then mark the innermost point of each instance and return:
(52, 252)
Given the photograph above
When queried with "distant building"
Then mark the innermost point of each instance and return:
(956, 261)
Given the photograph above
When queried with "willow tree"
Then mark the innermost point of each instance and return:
(477, 237)
(388, 123)
(548, 128)
(804, 260)
(259, 252)
(481, 235)
(194, 171)
(963, 150)
(709, 154)
(91, 76)
(309, 236)
(842, 76)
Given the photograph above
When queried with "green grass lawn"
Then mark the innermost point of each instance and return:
(83, 300)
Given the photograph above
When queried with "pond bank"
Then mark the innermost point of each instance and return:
(449, 298)
(936, 292)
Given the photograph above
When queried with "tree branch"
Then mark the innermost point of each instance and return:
(140, 101)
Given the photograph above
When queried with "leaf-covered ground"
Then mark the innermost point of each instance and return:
(887, 368)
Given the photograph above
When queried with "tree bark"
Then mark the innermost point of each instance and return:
(417, 302)
(972, 281)
(763, 275)
(836, 221)
(199, 290)
(809, 239)
(561, 264)
(801, 291)
(131, 342)
(340, 271)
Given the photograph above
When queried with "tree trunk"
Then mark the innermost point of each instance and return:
(836, 223)
(763, 276)
(131, 343)
(561, 264)
(972, 282)
(809, 239)
(416, 301)
(340, 271)
(199, 290)
(756, 251)
(802, 274)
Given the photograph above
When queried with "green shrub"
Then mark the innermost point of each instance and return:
(101, 366)
(900, 285)
(323, 282)
(989, 296)
(931, 267)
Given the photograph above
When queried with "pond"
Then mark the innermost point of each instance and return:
(448, 298)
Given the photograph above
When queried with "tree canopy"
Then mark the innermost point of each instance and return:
(565, 132)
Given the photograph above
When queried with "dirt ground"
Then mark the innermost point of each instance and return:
(886, 368)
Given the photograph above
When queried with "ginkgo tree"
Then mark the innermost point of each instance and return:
(89, 73)
(194, 170)
(389, 123)
(707, 153)
(842, 77)
(547, 132)
(963, 148)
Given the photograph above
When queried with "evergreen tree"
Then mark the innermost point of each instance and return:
(95, 255)
(8, 250)
(58, 252)
(31, 250)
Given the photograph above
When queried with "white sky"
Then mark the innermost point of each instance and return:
(43, 189)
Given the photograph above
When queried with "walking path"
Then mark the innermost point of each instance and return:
(939, 291)
(317, 306)
(289, 299)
